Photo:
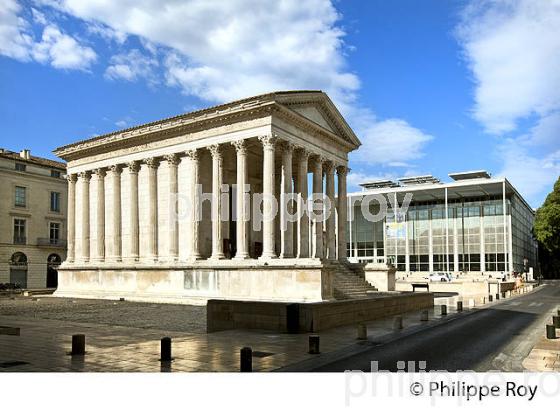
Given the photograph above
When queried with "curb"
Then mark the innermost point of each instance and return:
(312, 363)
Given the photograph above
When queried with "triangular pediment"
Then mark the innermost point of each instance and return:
(320, 110)
(315, 115)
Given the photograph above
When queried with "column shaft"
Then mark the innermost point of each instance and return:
(242, 205)
(116, 249)
(194, 189)
(286, 226)
(134, 240)
(303, 246)
(217, 178)
(318, 249)
(342, 211)
(84, 177)
(173, 229)
(269, 201)
(151, 239)
(331, 240)
(100, 216)
(71, 237)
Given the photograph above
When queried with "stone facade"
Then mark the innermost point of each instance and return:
(32, 219)
(155, 213)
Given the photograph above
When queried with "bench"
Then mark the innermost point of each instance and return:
(420, 286)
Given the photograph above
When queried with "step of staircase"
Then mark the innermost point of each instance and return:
(349, 280)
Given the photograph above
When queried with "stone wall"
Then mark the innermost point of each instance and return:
(310, 317)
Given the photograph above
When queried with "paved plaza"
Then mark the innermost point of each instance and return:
(125, 336)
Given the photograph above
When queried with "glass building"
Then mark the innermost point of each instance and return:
(474, 224)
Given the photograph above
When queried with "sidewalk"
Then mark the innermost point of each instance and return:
(545, 356)
(43, 344)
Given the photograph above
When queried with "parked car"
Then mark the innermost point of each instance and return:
(498, 275)
(440, 277)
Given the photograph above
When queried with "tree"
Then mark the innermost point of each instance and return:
(547, 231)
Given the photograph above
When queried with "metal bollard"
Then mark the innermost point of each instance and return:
(314, 344)
(483, 300)
(78, 345)
(556, 321)
(490, 298)
(443, 310)
(362, 331)
(246, 359)
(398, 323)
(503, 295)
(424, 316)
(550, 332)
(497, 296)
(459, 306)
(165, 353)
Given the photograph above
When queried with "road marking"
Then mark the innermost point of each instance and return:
(536, 304)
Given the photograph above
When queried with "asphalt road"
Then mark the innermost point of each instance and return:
(495, 338)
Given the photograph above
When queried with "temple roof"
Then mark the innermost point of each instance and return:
(314, 107)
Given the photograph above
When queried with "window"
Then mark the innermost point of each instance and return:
(54, 232)
(55, 173)
(55, 201)
(20, 167)
(19, 231)
(20, 196)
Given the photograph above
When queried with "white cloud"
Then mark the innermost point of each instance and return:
(513, 49)
(15, 41)
(62, 50)
(107, 33)
(220, 51)
(391, 142)
(55, 47)
(132, 66)
(531, 175)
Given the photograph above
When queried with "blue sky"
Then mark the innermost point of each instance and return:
(430, 87)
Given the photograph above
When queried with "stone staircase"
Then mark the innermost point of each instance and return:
(348, 280)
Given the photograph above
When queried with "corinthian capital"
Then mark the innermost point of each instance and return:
(342, 170)
(72, 177)
(268, 141)
(172, 159)
(240, 146)
(215, 151)
(133, 167)
(192, 154)
(152, 162)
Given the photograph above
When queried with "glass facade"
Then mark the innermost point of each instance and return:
(476, 236)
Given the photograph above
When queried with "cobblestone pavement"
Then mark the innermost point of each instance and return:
(125, 336)
(545, 356)
(181, 318)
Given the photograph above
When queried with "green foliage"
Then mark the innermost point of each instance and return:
(547, 221)
(547, 232)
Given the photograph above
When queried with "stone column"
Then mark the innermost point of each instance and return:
(243, 211)
(268, 143)
(302, 163)
(116, 254)
(84, 203)
(217, 178)
(133, 168)
(194, 191)
(286, 227)
(100, 216)
(318, 250)
(173, 229)
(71, 253)
(331, 240)
(151, 239)
(342, 172)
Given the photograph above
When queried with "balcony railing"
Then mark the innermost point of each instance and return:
(51, 242)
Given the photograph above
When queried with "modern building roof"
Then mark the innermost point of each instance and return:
(421, 179)
(460, 176)
(25, 156)
(476, 187)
